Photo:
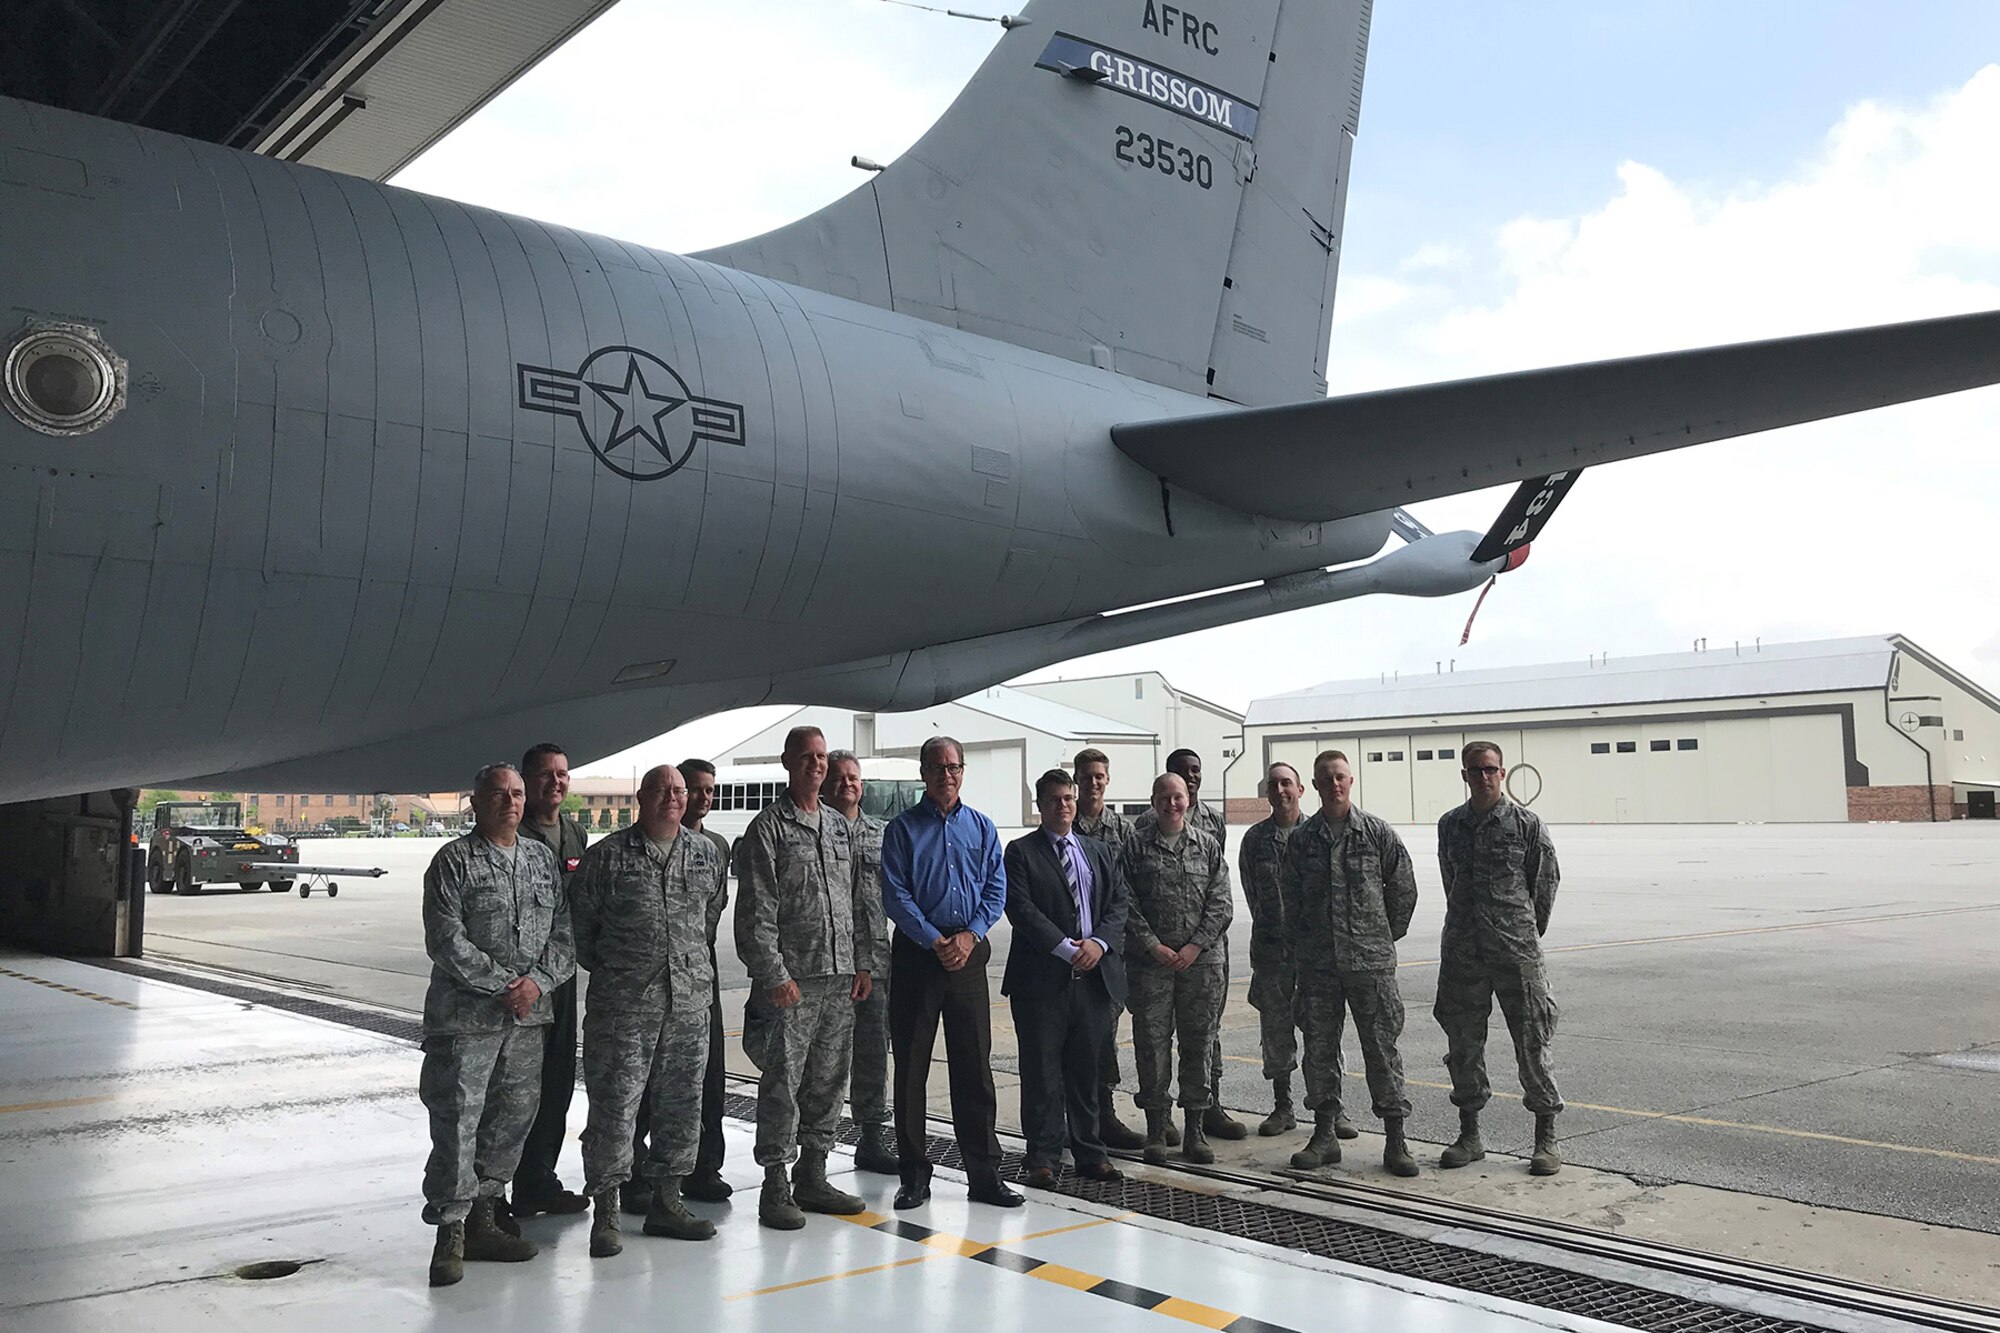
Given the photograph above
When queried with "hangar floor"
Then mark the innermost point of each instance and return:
(161, 1147)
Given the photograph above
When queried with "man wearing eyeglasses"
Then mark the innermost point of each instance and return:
(944, 885)
(1500, 878)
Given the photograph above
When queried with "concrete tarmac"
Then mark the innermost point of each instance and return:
(1800, 1011)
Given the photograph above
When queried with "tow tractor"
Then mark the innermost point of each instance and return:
(205, 842)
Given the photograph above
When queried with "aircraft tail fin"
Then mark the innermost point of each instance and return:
(1149, 188)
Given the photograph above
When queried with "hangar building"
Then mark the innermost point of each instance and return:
(1833, 730)
(1014, 733)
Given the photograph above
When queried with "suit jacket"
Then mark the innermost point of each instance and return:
(1043, 912)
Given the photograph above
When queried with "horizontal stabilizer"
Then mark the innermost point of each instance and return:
(1336, 457)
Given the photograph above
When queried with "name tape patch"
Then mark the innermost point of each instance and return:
(1149, 83)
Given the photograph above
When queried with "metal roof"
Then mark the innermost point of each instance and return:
(1719, 673)
(1049, 717)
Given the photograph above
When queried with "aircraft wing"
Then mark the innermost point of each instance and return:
(1336, 457)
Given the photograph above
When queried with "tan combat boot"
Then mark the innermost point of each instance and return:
(1323, 1148)
(1546, 1161)
(1396, 1159)
(604, 1240)
(814, 1193)
(1468, 1148)
(775, 1208)
(448, 1257)
(669, 1217)
(486, 1242)
(1282, 1120)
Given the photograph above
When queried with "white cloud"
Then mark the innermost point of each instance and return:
(683, 125)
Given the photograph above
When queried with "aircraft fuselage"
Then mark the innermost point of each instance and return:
(389, 463)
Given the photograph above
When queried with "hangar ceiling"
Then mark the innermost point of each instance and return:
(361, 86)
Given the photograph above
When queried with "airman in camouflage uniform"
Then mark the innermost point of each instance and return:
(1181, 909)
(706, 1182)
(497, 929)
(1095, 818)
(640, 904)
(1273, 978)
(868, 1087)
(1500, 878)
(1348, 891)
(1216, 1120)
(537, 1188)
(808, 952)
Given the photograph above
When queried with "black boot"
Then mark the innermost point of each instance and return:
(1158, 1121)
(1396, 1159)
(448, 1255)
(1468, 1148)
(1282, 1120)
(877, 1151)
(633, 1197)
(1194, 1143)
(1323, 1148)
(705, 1184)
(1546, 1161)
(1115, 1132)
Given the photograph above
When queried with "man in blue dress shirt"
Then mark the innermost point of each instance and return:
(944, 885)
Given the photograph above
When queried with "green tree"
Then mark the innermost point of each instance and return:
(572, 803)
(222, 796)
(149, 799)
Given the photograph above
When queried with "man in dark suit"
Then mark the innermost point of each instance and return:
(1065, 978)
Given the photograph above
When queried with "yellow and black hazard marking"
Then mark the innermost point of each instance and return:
(947, 1246)
(67, 990)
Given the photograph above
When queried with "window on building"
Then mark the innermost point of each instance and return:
(1423, 755)
(1628, 747)
(1929, 720)
(1395, 756)
(1957, 735)
(1374, 756)
(1657, 746)
(1687, 744)
(1138, 687)
(1447, 755)
(1600, 747)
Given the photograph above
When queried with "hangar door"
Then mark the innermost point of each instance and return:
(1711, 768)
(996, 782)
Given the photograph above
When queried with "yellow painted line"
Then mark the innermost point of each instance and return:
(1708, 1121)
(1074, 1226)
(863, 1219)
(958, 1245)
(1072, 1278)
(67, 990)
(1207, 1316)
(833, 1277)
(53, 1106)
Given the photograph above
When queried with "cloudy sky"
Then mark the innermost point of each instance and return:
(1534, 184)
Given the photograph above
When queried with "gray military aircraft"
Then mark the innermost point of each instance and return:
(312, 482)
